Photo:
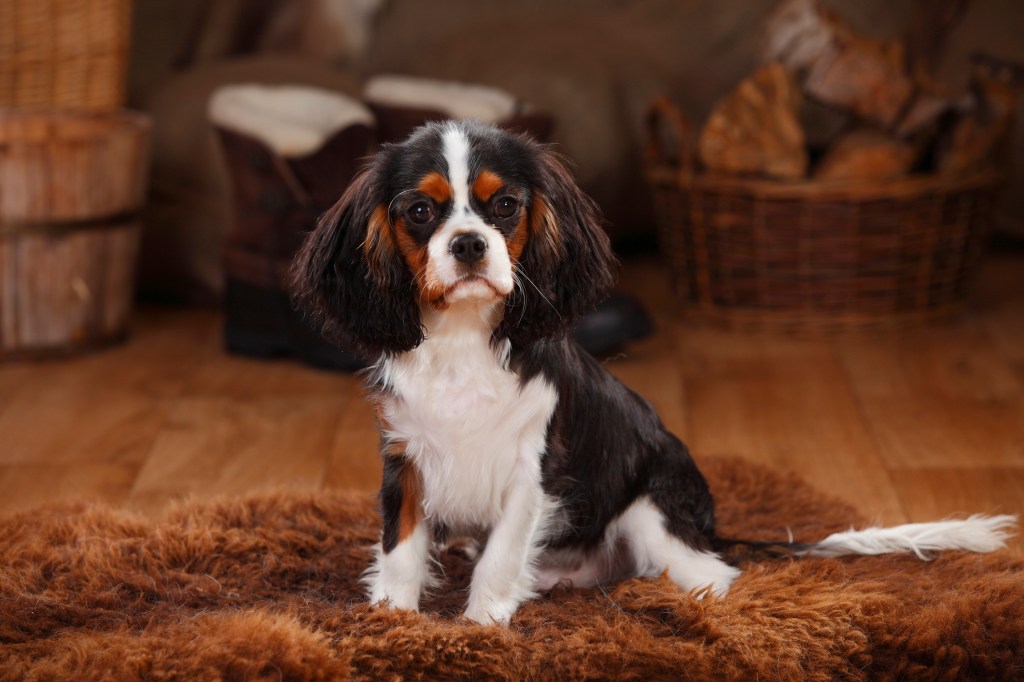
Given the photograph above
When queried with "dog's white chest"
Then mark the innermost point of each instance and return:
(467, 424)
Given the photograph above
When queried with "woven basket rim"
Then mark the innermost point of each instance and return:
(61, 113)
(118, 122)
(914, 185)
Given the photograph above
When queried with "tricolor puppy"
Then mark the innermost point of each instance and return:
(459, 260)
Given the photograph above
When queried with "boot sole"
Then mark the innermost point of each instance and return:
(260, 322)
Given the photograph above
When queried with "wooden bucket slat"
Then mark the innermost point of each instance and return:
(71, 185)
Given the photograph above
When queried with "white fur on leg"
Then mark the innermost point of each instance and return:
(976, 534)
(655, 550)
(398, 577)
(505, 576)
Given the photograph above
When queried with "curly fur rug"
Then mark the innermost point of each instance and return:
(268, 587)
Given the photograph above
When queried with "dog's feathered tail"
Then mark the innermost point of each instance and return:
(978, 533)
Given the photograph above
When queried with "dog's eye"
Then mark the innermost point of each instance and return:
(420, 213)
(505, 207)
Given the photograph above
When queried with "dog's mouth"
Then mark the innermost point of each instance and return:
(469, 287)
(473, 286)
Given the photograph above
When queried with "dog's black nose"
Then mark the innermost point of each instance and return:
(468, 247)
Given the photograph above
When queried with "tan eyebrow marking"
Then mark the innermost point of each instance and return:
(486, 184)
(378, 245)
(436, 187)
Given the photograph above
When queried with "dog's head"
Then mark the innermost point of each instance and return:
(459, 214)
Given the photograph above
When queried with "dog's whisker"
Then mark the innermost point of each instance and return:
(541, 294)
(397, 197)
(521, 288)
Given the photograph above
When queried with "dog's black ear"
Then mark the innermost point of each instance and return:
(350, 277)
(566, 266)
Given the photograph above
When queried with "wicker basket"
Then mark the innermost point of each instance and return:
(67, 54)
(71, 186)
(811, 256)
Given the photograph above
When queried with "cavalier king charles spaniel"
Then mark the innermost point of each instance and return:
(458, 261)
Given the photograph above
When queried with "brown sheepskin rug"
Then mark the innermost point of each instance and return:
(268, 588)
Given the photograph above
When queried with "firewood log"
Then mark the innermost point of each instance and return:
(835, 64)
(976, 140)
(933, 104)
(755, 130)
(866, 154)
(924, 113)
(864, 76)
(797, 34)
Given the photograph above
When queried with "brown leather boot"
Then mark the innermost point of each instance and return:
(290, 153)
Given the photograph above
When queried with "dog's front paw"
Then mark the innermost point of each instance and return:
(388, 602)
(490, 611)
(404, 597)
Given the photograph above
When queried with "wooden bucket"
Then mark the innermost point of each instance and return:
(71, 187)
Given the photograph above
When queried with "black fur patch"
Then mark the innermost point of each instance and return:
(370, 310)
(606, 448)
(391, 500)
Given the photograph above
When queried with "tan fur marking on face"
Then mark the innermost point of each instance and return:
(544, 225)
(486, 184)
(378, 247)
(517, 241)
(433, 291)
(430, 288)
(436, 187)
(411, 511)
(414, 254)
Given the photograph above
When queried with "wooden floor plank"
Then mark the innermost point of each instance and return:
(69, 417)
(241, 424)
(938, 397)
(12, 377)
(784, 402)
(998, 302)
(355, 456)
(26, 485)
(241, 378)
(215, 446)
(107, 405)
(931, 494)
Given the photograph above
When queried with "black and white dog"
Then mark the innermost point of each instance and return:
(459, 260)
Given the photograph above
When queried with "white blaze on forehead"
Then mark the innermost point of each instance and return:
(496, 267)
(456, 155)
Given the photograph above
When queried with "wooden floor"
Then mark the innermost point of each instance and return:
(906, 426)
